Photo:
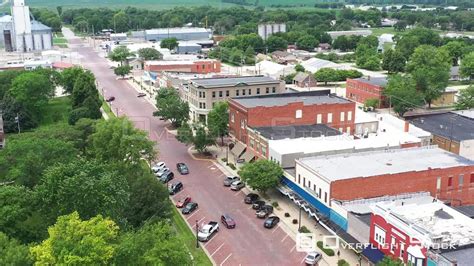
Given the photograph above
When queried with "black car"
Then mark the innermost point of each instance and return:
(141, 94)
(264, 211)
(251, 198)
(270, 222)
(110, 99)
(175, 188)
(166, 177)
(189, 208)
(182, 168)
(258, 204)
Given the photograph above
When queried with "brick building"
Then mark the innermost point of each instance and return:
(363, 89)
(200, 66)
(445, 176)
(290, 109)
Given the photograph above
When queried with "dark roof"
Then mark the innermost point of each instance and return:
(365, 218)
(282, 99)
(373, 254)
(301, 76)
(467, 210)
(233, 81)
(294, 132)
(448, 125)
(382, 82)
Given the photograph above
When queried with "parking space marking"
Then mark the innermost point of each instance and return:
(215, 251)
(222, 263)
(192, 214)
(293, 248)
(285, 238)
(274, 230)
(209, 241)
(199, 221)
(303, 260)
(237, 193)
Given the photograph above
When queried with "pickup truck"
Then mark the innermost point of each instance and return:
(207, 231)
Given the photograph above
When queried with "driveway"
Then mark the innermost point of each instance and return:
(249, 243)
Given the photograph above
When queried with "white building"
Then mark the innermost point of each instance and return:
(265, 30)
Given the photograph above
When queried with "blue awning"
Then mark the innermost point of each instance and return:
(373, 254)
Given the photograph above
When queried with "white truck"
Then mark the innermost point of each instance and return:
(207, 231)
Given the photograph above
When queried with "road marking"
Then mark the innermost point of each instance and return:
(209, 241)
(293, 248)
(237, 193)
(222, 263)
(201, 220)
(217, 249)
(303, 260)
(274, 230)
(250, 207)
(192, 214)
(285, 238)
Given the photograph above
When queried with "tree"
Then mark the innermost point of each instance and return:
(467, 66)
(88, 187)
(466, 98)
(120, 54)
(367, 57)
(389, 261)
(218, 120)
(400, 25)
(85, 98)
(121, 21)
(393, 61)
(371, 104)
(77, 242)
(407, 45)
(149, 54)
(307, 43)
(185, 134)
(249, 56)
(202, 139)
(12, 109)
(122, 70)
(326, 75)
(275, 43)
(13, 252)
(33, 91)
(403, 94)
(171, 107)
(153, 244)
(117, 140)
(299, 68)
(261, 174)
(455, 51)
(6, 80)
(15, 208)
(170, 43)
(429, 68)
(68, 78)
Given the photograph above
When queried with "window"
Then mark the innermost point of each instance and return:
(242, 123)
(299, 113)
(329, 117)
(314, 188)
(319, 194)
(471, 180)
(348, 130)
(232, 117)
(309, 183)
(461, 180)
(213, 94)
(203, 94)
(325, 197)
(393, 244)
(267, 90)
(299, 179)
(402, 250)
(319, 119)
(450, 181)
(250, 91)
(227, 93)
(349, 116)
(252, 143)
(258, 90)
(220, 94)
(304, 181)
(342, 117)
(273, 90)
(243, 92)
(379, 235)
(264, 150)
(203, 66)
(237, 93)
(438, 183)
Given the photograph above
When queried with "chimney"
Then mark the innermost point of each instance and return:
(407, 126)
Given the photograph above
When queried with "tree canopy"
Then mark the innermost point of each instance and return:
(218, 120)
(465, 98)
(170, 43)
(149, 54)
(403, 95)
(120, 54)
(171, 107)
(261, 174)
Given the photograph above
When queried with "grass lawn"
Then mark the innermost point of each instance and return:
(60, 42)
(189, 238)
(380, 31)
(106, 107)
(57, 111)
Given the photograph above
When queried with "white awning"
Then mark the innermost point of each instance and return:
(237, 149)
(248, 156)
(416, 252)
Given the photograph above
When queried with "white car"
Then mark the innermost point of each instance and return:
(312, 258)
(237, 185)
(207, 231)
(162, 171)
(157, 167)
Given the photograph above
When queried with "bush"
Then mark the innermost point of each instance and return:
(371, 104)
(224, 160)
(342, 262)
(287, 214)
(275, 204)
(304, 229)
(328, 251)
(295, 221)
(232, 166)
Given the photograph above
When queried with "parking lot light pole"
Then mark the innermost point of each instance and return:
(197, 232)
(299, 221)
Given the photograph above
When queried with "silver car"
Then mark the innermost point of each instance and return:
(229, 180)
(162, 171)
(312, 258)
(237, 185)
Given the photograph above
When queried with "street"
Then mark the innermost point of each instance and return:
(249, 243)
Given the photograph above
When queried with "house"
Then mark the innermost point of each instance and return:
(454, 74)
(362, 89)
(201, 66)
(447, 98)
(2, 133)
(304, 80)
(314, 64)
(324, 46)
(282, 57)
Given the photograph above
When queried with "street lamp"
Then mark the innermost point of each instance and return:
(227, 155)
(197, 234)
(299, 220)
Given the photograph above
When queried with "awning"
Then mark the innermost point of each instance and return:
(237, 149)
(248, 156)
(373, 254)
(416, 252)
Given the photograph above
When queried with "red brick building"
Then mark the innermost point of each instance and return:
(299, 108)
(200, 66)
(363, 89)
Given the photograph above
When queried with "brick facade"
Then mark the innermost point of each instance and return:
(360, 91)
(450, 189)
(200, 67)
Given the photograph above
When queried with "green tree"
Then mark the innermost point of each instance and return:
(185, 134)
(153, 244)
(466, 98)
(122, 71)
(170, 43)
(85, 98)
(342, 43)
(33, 90)
(11, 109)
(389, 261)
(120, 54)
(15, 208)
(429, 68)
(88, 187)
(326, 75)
(121, 21)
(371, 103)
(275, 43)
(218, 120)
(76, 242)
(393, 61)
(299, 68)
(249, 56)
(13, 252)
(407, 45)
(467, 66)
(400, 25)
(171, 107)
(307, 43)
(202, 139)
(261, 174)
(69, 77)
(117, 140)
(455, 51)
(149, 54)
(403, 94)
(367, 57)
(6, 80)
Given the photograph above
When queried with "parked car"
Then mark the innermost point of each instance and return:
(229, 180)
(110, 99)
(237, 185)
(228, 221)
(182, 168)
(175, 188)
(312, 258)
(162, 171)
(271, 221)
(158, 166)
(258, 204)
(166, 177)
(264, 211)
(207, 231)
(141, 94)
(251, 198)
(189, 208)
(183, 201)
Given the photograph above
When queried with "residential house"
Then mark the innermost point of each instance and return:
(304, 80)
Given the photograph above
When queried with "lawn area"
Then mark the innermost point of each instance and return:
(60, 41)
(57, 111)
(380, 31)
(189, 238)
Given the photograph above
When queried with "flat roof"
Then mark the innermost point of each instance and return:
(294, 132)
(233, 82)
(282, 99)
(377, 81)
(177, 30)
(449, 125)
(374, 163)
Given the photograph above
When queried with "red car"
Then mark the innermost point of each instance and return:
(110, 99)
(228, 221)
(183, 201)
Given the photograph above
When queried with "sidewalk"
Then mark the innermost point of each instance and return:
(285, 205)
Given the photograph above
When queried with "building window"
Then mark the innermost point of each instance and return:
(227, 93)
(319, 119)
(252, 143)
(319, 194)
(243, 92)
(325, 197)
(267, 90)
(213, 94)
(349, 116)
(250, 91)
(258, 90)
(232, 117)
(314, 188)
(471, 179)
(203, 66)
(264, 150)
(299, 178)
(304, 181)
(237, 93)
(450, 181)
(329, 117)
(203, 94)
(342, 116)
(438, 183)
(299, 114)
(393, 244)
(461, 180)
(309, 183)
(379, 235)
(220, 94)
(348, 130)
(273, 90)
(242, 123)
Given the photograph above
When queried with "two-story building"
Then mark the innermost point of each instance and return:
(362, 89)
